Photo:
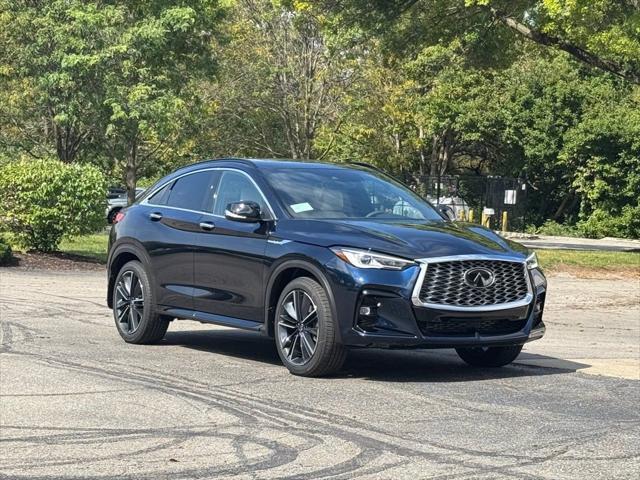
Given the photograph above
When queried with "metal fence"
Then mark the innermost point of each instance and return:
(489, 200)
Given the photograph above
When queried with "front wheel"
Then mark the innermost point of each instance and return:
(133, 306)
(489, 356)
(305, 330)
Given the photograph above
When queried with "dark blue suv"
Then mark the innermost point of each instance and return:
(321, 257)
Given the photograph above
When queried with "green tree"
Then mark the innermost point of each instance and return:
(280, 82)
(49, 85)
(150, 68)
(104, 81)
(600, 33)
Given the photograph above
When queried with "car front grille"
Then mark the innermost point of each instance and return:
(452, 326)
(444, 283)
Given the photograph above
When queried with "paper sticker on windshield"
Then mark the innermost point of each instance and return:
(301, 207)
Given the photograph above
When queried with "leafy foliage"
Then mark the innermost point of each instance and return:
(602, 224)
(111, 83)
(43, 200)
(5, 252)
(544, 90)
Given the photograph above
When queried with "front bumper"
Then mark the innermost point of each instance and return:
(392, 318)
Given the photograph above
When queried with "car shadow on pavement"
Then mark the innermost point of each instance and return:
(234, 343)
(415, 365)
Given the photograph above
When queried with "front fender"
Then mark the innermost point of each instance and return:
(290, 261)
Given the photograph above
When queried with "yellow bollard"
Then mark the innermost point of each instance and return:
(483, 220)
(471, 215)
(504, 222)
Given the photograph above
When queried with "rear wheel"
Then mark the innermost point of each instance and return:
(306, 331)
(133, 307)
(489, 356)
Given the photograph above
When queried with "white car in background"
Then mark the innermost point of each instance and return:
(117, 200)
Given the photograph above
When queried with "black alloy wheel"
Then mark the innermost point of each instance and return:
(306, 331)
(134, 309)
(129, 302)
(298, 327)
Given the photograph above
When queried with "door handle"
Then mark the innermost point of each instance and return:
(207, 226)
(155, 216)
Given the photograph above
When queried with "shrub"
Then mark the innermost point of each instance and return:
(601, 224)
(5, 252)
(43, 200)
(553, 228)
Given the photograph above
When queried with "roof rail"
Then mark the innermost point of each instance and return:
(368, 165)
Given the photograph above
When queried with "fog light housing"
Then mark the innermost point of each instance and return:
(366, 311)
(368, 314)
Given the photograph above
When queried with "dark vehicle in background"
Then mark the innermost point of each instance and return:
(117, 200)
(321, 257)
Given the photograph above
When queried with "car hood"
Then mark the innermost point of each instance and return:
(410, 239)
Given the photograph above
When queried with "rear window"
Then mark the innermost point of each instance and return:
(191, 192)
(160, 197)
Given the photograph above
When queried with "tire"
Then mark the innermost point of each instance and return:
(328, 356)
(137, 321)
(489, 356)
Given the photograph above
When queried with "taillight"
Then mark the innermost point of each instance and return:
(119, 217)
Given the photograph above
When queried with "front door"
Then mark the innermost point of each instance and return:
(229, 264)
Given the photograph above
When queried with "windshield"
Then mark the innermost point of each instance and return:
(344, 193)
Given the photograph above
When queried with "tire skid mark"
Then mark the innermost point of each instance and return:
(309, 412)
(449, 458)
(282, 416)
(9, 331)
(102, 305)
(252, 407)
(53, 310)
(244, 417)
(7, 337)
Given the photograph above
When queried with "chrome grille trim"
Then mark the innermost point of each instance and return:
(424, 263)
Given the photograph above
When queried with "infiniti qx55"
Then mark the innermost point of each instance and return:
(321, 258)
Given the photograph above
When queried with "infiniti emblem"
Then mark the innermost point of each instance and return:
(479, 277)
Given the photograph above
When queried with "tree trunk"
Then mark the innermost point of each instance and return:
(445, 152)
(435, 148)
(131, 173)
(441, 153)
(423, 157)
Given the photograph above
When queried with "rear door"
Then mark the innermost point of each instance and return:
(229, 258)
(173, 214)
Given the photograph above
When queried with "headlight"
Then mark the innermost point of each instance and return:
(367, 259)
(532, 261)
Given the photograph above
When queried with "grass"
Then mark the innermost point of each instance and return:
(604, 262)
(93, 246)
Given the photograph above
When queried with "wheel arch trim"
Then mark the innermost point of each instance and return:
(132, 247)
(301, 263)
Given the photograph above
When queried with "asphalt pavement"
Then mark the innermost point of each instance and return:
(210, 402)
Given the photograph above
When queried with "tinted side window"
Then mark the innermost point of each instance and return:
(160, 197)
(191, 191)
(236, 187)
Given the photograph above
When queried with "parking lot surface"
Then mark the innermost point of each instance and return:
(210, 402)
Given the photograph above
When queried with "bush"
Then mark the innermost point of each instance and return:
(5, 252)
(601, 224)
(43, 200)
(555, 229)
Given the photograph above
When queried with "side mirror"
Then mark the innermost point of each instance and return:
(447, 212)
(247, 212)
